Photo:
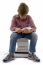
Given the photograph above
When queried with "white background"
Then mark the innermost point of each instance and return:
(8, 8)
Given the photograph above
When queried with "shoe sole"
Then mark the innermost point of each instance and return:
(5, 61)
(33, 59)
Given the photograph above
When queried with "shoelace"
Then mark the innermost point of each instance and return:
(35, 56)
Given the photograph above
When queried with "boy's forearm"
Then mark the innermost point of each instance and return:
(13, 28)
(34, 29)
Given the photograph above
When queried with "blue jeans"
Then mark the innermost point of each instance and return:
(14, 36)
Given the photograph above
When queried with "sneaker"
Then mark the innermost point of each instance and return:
(8, 58)
(33, 57)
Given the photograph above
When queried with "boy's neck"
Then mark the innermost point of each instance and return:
(23, 17)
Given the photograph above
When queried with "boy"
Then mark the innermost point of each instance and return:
(22, 26)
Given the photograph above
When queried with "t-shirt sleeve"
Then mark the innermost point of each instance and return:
(32, 23)
(13, 24)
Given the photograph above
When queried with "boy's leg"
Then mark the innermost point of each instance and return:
(33, 40)
(13, 40)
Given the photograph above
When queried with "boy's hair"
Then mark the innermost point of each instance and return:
(23, 9)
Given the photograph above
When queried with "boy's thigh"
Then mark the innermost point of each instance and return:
(30, 35)
(16, 35)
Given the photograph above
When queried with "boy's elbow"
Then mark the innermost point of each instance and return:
(34, 29)
(11, 29)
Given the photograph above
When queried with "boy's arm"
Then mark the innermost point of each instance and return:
(32, 25)
(13, 24)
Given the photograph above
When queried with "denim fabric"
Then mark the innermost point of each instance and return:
(15, 36)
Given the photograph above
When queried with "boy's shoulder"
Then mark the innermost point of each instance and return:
(29, 16)
(16, 16)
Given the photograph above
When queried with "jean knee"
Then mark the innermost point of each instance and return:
(13, 35)
(35, 36)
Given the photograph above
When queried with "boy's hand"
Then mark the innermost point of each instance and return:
(25, 30)
(18, 30)
(31, 29)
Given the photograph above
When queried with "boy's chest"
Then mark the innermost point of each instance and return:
(22, 23)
